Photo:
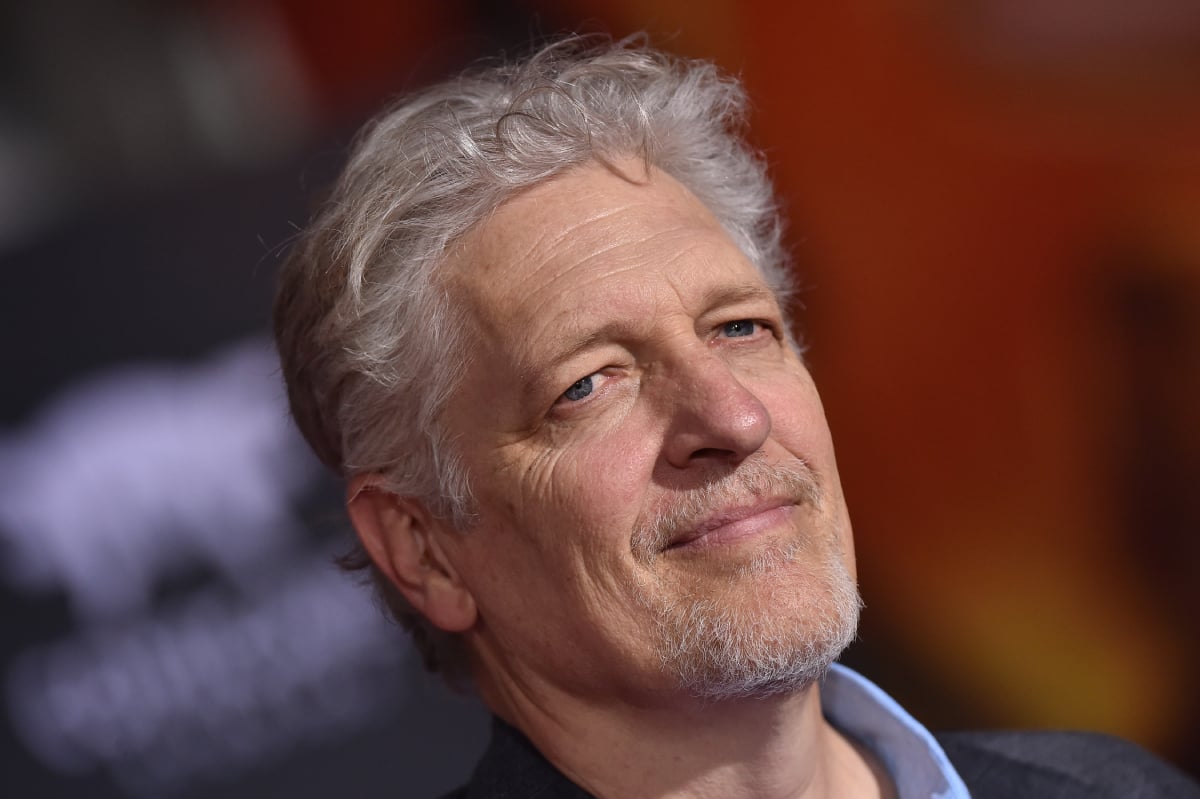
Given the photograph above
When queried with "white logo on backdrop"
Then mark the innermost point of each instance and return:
(152, 472)
(145, 471)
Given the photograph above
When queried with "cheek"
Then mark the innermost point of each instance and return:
(799, 425)
(564, 536)
(797, 417)
(600, 476)
(572, 508)
(614, 474)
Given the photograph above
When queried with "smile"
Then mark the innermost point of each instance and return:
(735, 524)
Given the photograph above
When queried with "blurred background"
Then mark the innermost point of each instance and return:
(995, 209)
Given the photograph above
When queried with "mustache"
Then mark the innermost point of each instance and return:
(754, 480)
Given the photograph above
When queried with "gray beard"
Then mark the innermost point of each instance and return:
(719, 652)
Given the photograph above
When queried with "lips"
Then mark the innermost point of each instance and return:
(755, 498)
(735, 523)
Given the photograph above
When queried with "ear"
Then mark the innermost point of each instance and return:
(406, 543)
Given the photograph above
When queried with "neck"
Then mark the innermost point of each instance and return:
(774, 748)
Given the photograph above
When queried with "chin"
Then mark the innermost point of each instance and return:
(777, 634)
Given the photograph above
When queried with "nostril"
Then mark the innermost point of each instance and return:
(712, 452)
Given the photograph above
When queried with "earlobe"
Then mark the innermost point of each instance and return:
(405, 542)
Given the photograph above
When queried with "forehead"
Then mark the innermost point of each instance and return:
(587, 237)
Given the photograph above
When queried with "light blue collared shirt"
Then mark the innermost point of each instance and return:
(915, 761)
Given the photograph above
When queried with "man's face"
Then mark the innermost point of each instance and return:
(658, 504)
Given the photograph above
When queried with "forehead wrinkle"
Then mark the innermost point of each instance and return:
(562, 249)
(498, 256)
(615, 259)
(572, 337)
(631, 255)
(510, 236)
(625, 293)
(551, 241)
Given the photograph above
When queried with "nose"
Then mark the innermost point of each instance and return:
(714, 418)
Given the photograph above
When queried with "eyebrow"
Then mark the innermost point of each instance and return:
(714, 299)
(723, 296)
(536, 374)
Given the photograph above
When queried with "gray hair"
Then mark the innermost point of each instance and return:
(366, 333)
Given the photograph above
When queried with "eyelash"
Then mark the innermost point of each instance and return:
(759, 326)
(563, 402)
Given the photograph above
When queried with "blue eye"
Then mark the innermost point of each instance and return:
(739, 327)
(579, 389)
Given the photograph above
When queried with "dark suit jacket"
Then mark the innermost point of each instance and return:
(994, 765)
(1061, 765)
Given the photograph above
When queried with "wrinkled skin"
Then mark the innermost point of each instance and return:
(624, 354)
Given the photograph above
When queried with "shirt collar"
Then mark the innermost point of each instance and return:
(916, 762)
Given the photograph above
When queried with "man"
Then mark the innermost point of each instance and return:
(540, 328)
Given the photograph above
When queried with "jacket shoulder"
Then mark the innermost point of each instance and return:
(1062, 765)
